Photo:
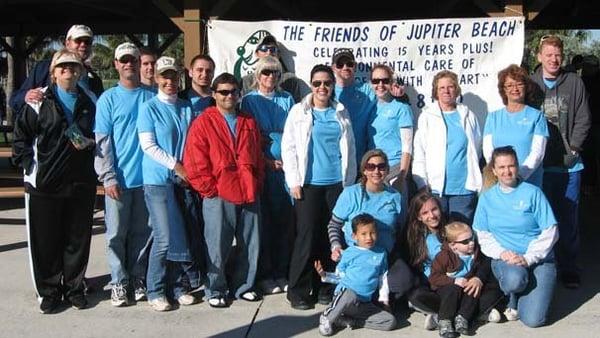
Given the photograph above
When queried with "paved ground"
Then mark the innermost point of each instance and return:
(575, 314)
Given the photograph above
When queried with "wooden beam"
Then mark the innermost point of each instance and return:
(535, 7)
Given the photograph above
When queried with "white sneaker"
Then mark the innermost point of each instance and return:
(494, 316)
(118, 295)
(269, 287)
(186, 299)
(431, 322)
(160, 304)
(325, 328)
(283, 284)
(511, 314)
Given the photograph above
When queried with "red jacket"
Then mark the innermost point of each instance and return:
(218, 166)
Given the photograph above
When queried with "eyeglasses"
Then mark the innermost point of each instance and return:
(267, 48)
(226, 92)
(378, 81)
(318, 83)
(372, 166)
(128, 59)
(519, 85)
(349, 64)
(465, 241)
(267, 72)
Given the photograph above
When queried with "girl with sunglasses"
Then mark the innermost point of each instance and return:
(317, 149)
(270, 105)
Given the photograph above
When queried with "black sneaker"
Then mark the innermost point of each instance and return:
(300, 304)
(446, 329)
(48, 305)
(78, 302)
(571, 280)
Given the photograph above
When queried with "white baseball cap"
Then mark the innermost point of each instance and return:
(165, 63)
(79, 31)
(126, 48)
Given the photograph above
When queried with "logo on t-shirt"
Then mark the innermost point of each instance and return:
(521, 206)
(524, 121)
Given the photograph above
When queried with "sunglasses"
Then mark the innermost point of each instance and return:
(318, 83)
(268, 72)
(226, 92)
(349, 64)
(266, 48)
(465, 241)
(373, 166)
(79, 41)
(378, 81)
(128, 59)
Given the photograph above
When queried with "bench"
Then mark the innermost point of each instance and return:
(19, 192)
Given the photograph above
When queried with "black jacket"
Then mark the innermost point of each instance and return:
(40, 146)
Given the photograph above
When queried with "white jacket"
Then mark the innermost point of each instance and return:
(429, 163)
(296, 137)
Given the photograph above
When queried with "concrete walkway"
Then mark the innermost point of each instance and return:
(575, 314)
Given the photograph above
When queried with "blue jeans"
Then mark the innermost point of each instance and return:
(127, 236)
(459, 207)
(169, 242)
(530, 289)
(562, 191)
(224, 221)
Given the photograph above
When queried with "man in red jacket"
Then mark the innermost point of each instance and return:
(223, 161)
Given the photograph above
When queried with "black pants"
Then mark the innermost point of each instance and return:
(454, 301)
(311, 242)
(60, 231)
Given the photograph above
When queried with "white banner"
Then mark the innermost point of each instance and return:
(475, 48)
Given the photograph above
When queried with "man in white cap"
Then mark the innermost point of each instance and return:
(119, 166)
(79, 39)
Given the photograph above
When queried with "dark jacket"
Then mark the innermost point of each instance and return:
(447, 262)
(566, 109)
(40, 77)
(40, 146)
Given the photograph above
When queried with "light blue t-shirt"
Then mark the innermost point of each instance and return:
(514, 218)
(550, 83)
(360, 270)
(169, 123)
(67, 102)
(466, 265)
(199, 103)
(456, 156)
(384, 131)
(434, 246)
(231, 119)
(384, 206)
(517, 130)
(116, 116)
(359, 99)
(324, 154)
(270, 112)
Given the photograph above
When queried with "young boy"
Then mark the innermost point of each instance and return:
(359, 273)
(462, 277)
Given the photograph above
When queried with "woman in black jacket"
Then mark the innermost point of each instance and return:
(54, 144)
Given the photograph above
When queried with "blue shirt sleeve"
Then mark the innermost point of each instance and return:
(144, 121)
(344, 204)
(543, 211)
(405, 115)
(541, 125)
(488, 129)
(480, 221)
(104, 121)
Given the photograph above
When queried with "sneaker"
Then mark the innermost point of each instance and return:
(186, 299)
(346, 322)
(269, 287)
(431, 322)
(325, 328)
(48, 305)
(446, 329)
(140, 290)
(494, 316)
(78, 302)
(250, 296)
(511, 314)
(118, 295)
(461, 325)
(300, 304)
(283, 284)
(218, 302)
(160, 304)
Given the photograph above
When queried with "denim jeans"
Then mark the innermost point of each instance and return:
(190, 203)
(169, 242)
(562, 191)
(459, 207)
(530, 289)
(127, 236)
(224, 221)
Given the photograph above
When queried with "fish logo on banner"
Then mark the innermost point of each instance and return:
(246, 58)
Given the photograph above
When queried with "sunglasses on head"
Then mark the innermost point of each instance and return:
(385, 81)
(267, 48)
(267, 72)
(466, 241)
(318, 83)
(349, 64)
(373, 166)
(128, 58)
(226, 92)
